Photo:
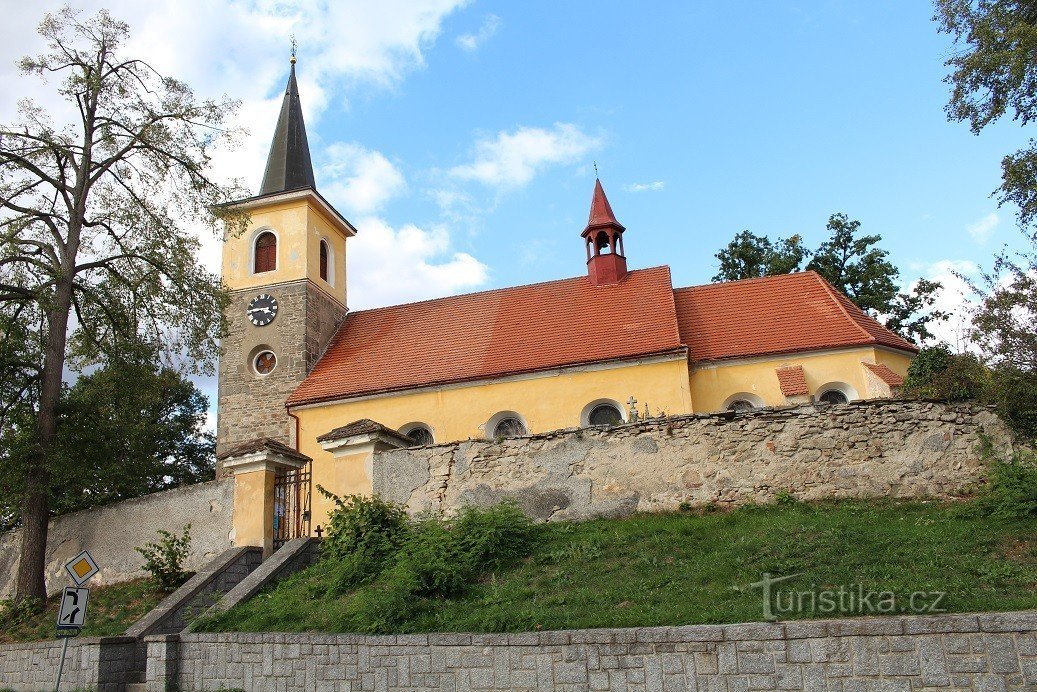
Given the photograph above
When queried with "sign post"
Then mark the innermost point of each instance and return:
(72, 611)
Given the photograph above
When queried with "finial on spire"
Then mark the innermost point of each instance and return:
(595, 169)
(294, 45)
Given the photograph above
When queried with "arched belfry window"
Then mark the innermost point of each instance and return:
(324, 259)
(266, 253)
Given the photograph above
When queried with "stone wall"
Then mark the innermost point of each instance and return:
(877, 448)
(104, 664)
(953, 652)
(112, 532)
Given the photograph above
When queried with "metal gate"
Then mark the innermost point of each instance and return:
(291, 504)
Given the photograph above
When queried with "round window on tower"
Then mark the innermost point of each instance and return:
(264, 362)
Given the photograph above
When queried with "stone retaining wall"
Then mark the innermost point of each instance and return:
(104, 664)
(955, 652)
(113, 531)
(877, 448)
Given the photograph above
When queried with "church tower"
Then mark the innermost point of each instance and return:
(603, 236)
(287, 279)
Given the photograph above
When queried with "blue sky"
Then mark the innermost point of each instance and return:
(459, 136)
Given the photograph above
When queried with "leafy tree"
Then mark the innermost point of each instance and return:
(849, 261)
(854, 265)
(749, 256)
(97, 220)
(937, 373)
(124, 431)
(994, 73)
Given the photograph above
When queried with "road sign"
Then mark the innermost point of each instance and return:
(72, 613)
(81, 568)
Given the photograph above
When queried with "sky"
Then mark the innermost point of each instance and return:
(460, 137)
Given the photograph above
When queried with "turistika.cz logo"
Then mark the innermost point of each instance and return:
(853, 599)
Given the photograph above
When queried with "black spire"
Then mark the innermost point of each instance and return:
(288, 166)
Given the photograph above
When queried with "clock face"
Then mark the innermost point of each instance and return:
(262, 310)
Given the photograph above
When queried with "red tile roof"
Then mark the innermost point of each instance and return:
(884, 373)
(792, 380)
(772, 315)
(496, 333)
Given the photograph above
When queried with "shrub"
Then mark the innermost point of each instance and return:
(439, 559)
(936, 373)
(1012, 492)
(164, 560)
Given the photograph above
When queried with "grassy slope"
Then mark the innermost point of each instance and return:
(111, 610)
(683, 568)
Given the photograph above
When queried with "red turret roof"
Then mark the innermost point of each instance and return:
(601, 211)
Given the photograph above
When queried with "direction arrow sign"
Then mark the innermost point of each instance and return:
(72, 613)
(81, 568)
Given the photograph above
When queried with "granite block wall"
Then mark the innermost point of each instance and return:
(911, 653)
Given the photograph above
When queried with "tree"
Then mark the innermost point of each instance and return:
(125, 430)
(97, 221)
(994, 73)
(853, 264)
(749, 256)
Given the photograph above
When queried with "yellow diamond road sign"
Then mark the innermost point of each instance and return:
(81, 568)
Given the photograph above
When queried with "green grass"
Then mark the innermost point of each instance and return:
(110, 611)
(671, 569)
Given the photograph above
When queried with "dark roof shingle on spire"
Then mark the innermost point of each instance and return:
(288, 165)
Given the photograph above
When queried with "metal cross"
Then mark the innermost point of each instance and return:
(595, 169)
(319, 531)
(294, 44)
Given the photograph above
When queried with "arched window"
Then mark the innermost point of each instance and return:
(833, 396)
(265, 253)
(509, 427)
(835, 393)
(742, 402)
(420, 433)
(605, 414)
(324, 259)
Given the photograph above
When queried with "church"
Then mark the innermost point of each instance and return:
(300, 372)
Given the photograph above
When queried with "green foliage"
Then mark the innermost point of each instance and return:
(164, 560)
(672, 569)
(125, 430)
(1013, 391)
(749, 256)
(1012, 489)
(784, 497)
(851, 262)
(937, 373)
(362, 524)
(993, 74)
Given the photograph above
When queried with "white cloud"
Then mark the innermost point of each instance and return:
(984, 228)
(511, 159)
(240, 49)
(470, 42)
(956, 298)
(645, 187)
(358, 180)
(389, 265)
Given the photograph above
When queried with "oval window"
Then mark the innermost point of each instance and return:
(421, 435)
(509, 427)
(605, 414)
(833, 396)
(265, 362)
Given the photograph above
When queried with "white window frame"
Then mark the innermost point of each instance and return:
(252, 251)
(585, 414)
(753, 399)
(847, 390)
(496, 418)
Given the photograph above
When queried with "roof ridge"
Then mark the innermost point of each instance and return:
(502, 289)
(673, 308)
(833, 294)
(754, 279)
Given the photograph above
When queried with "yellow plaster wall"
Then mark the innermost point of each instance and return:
(456, 413)
(297, 224)
(896, 361)
(253, 514)
(712, 385)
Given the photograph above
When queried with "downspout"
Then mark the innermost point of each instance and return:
(309, 500)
